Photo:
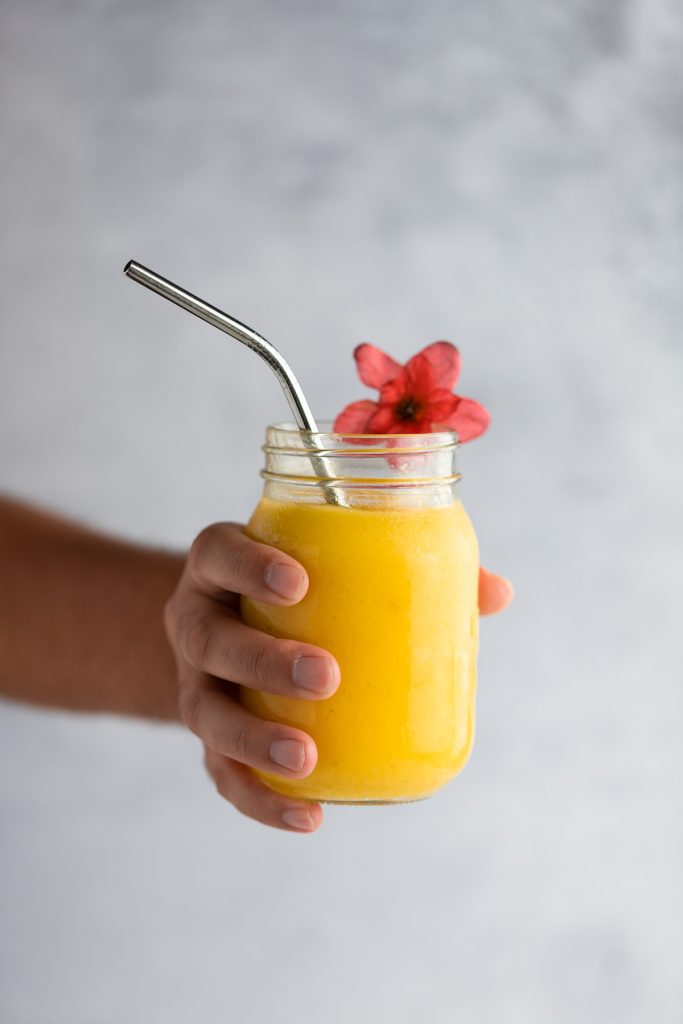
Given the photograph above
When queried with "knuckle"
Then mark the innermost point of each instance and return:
(217, 774)
(242, 742)
(198, 639)
(222, 786)
(224, 792)
(256, 663)
(189, 704)
(170, 618)
(242, 564)
(224, 554)
(203, 546)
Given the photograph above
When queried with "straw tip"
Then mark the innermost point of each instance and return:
(127, 267)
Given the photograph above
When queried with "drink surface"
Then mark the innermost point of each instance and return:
(393, 595)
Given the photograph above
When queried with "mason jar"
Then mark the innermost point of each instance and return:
(393, 567)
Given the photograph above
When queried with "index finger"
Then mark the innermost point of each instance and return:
(223, 559)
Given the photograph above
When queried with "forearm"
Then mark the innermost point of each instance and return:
(81, 617)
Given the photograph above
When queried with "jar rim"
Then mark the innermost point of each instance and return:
(286, 435)
(358, 468)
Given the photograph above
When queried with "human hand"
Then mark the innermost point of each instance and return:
(216, 654)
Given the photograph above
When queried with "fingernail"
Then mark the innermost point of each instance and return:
(285, 580)
(288, 754)
(299, 818)
(314, 673)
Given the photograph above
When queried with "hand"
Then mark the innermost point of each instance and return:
(216, 653)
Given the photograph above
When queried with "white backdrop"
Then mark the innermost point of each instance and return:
(509, 176)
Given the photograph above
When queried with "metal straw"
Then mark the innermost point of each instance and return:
(288, 382)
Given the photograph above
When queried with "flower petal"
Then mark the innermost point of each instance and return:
(375, 367)
(441, 405)
(397, 388)
(383, 420)
(418, 380)
(469, 419)
(444, 361)
(354, 419)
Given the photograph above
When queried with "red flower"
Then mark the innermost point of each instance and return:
(413, 399)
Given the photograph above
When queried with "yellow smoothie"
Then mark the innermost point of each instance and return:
(393, 595)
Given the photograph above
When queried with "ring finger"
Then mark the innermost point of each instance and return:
(229, 729)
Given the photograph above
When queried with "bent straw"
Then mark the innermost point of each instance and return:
(247, 336)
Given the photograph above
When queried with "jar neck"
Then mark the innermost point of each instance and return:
(360, 470)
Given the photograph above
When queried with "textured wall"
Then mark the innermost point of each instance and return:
(509, 176)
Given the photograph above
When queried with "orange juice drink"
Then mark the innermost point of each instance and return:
(393, 577)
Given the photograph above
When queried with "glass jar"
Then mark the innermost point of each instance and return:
(393, 568)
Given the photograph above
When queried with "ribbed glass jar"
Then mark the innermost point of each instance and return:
(393, 568)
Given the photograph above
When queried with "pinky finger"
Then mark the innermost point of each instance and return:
(237, 784)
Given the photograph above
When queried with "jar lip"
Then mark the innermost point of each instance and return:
(286, 434)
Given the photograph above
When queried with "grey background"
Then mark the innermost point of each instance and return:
(507, 175)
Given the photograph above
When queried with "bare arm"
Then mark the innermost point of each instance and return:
(81, 617)
(91, 623)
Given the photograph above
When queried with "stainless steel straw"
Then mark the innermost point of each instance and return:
(278, 364)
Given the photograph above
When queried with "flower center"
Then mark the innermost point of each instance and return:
(407, 409)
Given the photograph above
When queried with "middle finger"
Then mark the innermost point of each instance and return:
(217, 642)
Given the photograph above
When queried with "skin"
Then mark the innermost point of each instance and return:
(92, 623)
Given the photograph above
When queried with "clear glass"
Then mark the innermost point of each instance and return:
(393, 566)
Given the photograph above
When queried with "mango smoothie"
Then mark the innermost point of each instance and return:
(393, 595)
